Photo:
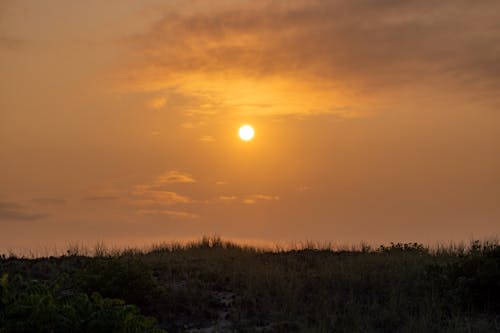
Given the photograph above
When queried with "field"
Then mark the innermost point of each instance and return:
(217, 286)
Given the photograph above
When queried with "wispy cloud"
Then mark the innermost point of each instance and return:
(248, 199)
(144, 195)
(302, 188)
(207, 138)
(153, 199)
(227, 197)
(191, 125)
(102, 198)
(174, 176)
(310, 57)
(172, 213)
(18, 212)
(50, 201)
(158, 193)
(157, 102)
(265, 197)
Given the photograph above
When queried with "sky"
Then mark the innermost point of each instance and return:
(375, 121)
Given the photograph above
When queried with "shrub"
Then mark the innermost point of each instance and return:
(33, 306)
(127, 278)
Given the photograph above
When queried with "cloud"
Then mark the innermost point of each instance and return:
(157, 102)
(191, 125)
(17, 212)
(158, 198)
(153, 198)
(172, 213)
(50, 201)
(159, 193)
(303, 188)
(265, 197)
(174, 176)
(310, 57)
(102, 198)
(227, 197)
(207, 139)
(248, 199)
(144, 195)
(254, 198)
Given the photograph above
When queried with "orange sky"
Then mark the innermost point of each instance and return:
(375, 121)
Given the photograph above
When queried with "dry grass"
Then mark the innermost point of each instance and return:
(304, 287)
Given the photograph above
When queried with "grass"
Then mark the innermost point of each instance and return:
(214, 285)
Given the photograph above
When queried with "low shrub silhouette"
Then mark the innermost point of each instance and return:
(404, 247)
(220, 286)
(472, 283)
(127, 278)
(33, 306)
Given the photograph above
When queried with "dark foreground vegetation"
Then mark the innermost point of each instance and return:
(216, 286)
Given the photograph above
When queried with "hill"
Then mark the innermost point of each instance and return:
(218, 286)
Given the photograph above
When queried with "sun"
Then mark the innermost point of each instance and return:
(246, 132)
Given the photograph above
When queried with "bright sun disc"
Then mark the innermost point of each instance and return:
(246, 132)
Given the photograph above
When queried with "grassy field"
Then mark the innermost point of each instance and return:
(217, 286)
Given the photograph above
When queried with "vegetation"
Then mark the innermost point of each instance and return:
(36, 307)
(218, 286)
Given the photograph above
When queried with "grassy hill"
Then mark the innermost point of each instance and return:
(217, 286)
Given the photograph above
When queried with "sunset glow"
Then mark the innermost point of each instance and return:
(265, 121)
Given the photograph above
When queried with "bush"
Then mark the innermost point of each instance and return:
(34, 306)
(215, 285)
(118, 277)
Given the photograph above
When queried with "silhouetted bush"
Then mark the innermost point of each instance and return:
(127, 278)
(400, 287)
(404, 247)
(33, 306)
(471, 283)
